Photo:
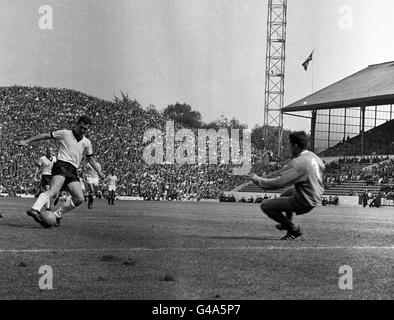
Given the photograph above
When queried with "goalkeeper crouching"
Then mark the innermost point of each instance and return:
(305, 173)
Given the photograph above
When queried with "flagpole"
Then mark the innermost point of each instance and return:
(313, 71)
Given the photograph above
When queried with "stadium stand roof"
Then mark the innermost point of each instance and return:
(371, 86)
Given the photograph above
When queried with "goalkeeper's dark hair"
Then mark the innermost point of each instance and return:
(85, 119)
(300, 139)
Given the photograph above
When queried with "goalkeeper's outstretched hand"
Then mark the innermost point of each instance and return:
(255, 178)
(22, 143)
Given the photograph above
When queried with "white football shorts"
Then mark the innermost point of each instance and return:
(93, 181)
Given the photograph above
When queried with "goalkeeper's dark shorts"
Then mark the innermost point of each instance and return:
(285, 204)
(298, 207)
(67, 170)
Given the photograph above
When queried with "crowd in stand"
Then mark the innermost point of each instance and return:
(363, 160)
(117, 138)
(378, 140)
(258, 199)
(383, 173)
(380, 171)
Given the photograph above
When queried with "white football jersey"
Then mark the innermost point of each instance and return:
(112, 180)
(46, 165)
(71, 150)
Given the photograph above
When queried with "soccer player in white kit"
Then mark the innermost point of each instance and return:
(73, 145)
(45, 164)
(111, 182)
(92, 179)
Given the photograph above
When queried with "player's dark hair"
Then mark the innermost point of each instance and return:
(300, 139)
(85, 119)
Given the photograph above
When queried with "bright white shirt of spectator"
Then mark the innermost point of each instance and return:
(71, 150)
(46, 165)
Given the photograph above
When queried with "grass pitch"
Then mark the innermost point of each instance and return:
(174, 250)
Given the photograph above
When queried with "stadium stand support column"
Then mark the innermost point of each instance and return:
(362, 130)
(313, 128)
(344, 125)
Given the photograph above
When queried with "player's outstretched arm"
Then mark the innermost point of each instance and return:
(39, 137)
(276, 173)
(92, 162)
(286, 177)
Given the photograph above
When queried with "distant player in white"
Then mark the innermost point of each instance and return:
(92, 179)
(112, 179)
(44, 165)
(73, 145)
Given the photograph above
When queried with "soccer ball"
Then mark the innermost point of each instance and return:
(48, 219)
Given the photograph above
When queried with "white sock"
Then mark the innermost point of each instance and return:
(41, 201)
(66, 207)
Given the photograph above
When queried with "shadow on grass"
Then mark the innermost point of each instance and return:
(24, 226)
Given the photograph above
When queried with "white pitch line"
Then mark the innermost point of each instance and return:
(271, 248)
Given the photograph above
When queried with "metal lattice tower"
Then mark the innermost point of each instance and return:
(275, 71)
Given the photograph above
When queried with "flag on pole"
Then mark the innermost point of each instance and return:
(309, 59)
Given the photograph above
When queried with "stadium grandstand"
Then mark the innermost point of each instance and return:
(352, 129)
(117, 136)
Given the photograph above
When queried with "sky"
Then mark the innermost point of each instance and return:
(209, 54)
